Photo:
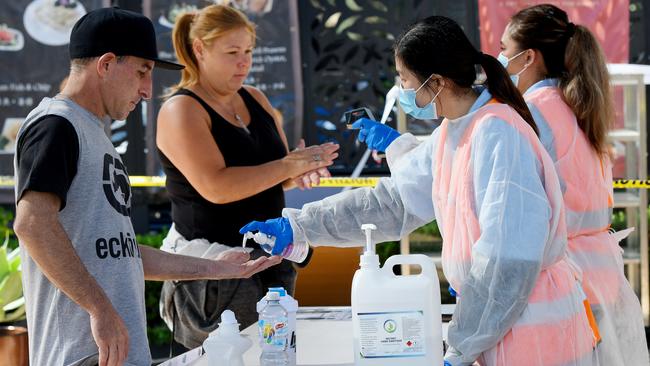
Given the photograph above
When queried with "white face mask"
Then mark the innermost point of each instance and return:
(505, 61)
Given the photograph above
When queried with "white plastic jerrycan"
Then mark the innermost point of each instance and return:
(396, 319)
(225, 346)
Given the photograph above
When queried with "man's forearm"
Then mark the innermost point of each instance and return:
(44, 239)
(160, 266)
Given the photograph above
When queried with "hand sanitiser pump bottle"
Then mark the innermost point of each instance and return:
(293, 252)
(396, 319)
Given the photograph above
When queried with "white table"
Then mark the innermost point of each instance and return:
(319, 342)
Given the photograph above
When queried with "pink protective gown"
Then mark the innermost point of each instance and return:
(586, 181)
(493, 188)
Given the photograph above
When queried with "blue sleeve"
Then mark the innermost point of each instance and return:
(545, 131)
(547, 138)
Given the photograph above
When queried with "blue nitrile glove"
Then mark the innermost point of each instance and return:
(280, 228)
(447, 363)
(454, 358)
(452, 292)
(376, 135)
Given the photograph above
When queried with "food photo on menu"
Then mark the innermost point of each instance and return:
(168, 19)
(9, 134)
(256, 7)
(50, 21)
(10, 39)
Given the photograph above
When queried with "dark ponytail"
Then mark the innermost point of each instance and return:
(437, 45)
(502, 89)
(573, 56)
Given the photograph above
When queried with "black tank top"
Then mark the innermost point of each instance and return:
(193, 215)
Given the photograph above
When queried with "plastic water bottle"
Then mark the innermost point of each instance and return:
(273, 330)
(291, 306)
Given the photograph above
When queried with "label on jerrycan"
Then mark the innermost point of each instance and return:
(392, 334)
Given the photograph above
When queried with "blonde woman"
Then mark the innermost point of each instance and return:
(227, 162)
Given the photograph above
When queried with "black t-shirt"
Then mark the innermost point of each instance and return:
(47, 154)
(194, 216)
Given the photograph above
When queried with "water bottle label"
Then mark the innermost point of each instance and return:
(273, 332)
(392, 334)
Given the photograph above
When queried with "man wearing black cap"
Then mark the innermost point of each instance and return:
(82, 268)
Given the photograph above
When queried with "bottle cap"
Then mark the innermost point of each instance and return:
(228, 317)
(272, 295)
(227, 326)
(279, 290)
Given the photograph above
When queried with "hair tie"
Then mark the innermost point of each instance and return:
(478, 57)
(570, 30)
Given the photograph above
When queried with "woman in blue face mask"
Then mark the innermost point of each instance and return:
(485, 176)
(432, 87)
(505, 61)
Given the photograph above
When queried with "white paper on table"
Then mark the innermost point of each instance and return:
(325, 313)
(186, 359)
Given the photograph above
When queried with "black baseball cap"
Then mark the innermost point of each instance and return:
(122, 32)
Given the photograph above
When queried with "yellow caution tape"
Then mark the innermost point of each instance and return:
(159, 181)
(136, 181)
(144, 181)
(348, 182)
(632, 183)
(372, 181)
(6, 181)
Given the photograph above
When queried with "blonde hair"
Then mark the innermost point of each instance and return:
(207, 24)
(586, 87)
(571, 54)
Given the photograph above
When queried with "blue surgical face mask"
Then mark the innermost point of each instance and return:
(409, 105)
(505, 61)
